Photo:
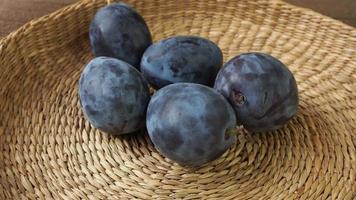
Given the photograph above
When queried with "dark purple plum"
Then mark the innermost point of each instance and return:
(177, 59)
(113, 95)
(261, 89)
(118, 31)
(190, 123)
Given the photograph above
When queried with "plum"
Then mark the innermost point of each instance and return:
(261, 89)
(113, 95)
(190, 123)
(189, 59)
(118, 31)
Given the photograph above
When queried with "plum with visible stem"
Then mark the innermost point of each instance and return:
(261, 89)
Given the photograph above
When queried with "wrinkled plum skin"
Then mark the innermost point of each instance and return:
(187, 122)
(269, 88)
(113, 95)
(189, 59)
(118, 31)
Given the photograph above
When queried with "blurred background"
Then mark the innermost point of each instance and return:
(14, 13)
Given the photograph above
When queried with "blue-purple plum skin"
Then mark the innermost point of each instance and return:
(187, 123)
(118, 31)
(189, 59)
(261, 89)
(113, 95)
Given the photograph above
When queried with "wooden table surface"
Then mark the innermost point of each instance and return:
(14, 13)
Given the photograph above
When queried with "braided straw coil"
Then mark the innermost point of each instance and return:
(49, 151)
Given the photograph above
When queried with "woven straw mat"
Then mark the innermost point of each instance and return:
(49, 151)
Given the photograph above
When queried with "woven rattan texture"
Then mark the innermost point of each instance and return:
(48, 150)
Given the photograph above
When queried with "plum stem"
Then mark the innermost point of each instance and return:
(108, 2)
(238, 97)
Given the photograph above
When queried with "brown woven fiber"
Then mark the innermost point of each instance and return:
(49, 151)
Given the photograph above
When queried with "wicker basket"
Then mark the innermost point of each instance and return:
(48, 150)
